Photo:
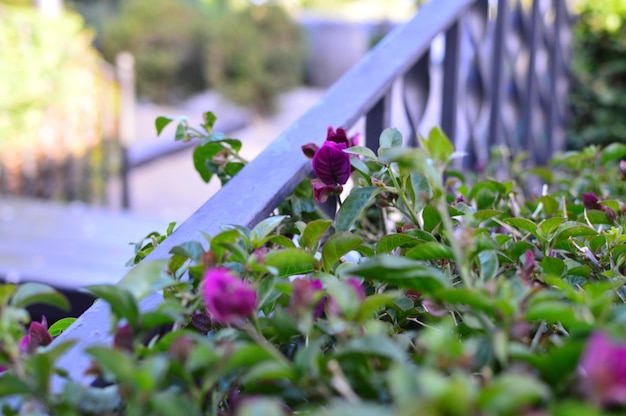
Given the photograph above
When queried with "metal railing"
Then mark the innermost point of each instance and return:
(504, 82)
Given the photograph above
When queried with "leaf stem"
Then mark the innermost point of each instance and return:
(403, 197)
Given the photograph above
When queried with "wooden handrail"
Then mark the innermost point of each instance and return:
(257, 190)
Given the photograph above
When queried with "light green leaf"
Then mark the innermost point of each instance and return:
(264, 228)
(438, 146)
(431, 250)
(145, 278)
(28, 294)
(290, 261)
(314, 232)
(612, 152)
(361, 151)
(390, 137)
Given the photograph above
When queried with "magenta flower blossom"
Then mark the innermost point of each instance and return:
(37, 336)
(227, 298)
(602, 369)
(340, 136)
(591, 201)
(331, 164)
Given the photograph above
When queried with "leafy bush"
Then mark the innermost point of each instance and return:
(460, 297)
(166, 37)
(598, 96)
(249, 54)
(254, 54)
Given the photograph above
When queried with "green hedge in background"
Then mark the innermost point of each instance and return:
(50, 82)
(598, 94)
(249, 54)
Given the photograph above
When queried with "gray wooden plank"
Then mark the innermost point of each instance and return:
(67, 245)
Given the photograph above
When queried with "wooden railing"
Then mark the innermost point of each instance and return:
(504, 82)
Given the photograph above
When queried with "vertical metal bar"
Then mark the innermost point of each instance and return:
(416, 92)
(126, 78)
(556, 136)
(531, 84)
(497, 73)
(376, 120)
(451, 73)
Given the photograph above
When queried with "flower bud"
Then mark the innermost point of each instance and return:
(331, 164)
(602, 369)
(37, 336)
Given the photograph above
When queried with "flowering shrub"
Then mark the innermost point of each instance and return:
(431, 292)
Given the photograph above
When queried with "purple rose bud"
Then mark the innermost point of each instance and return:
(529, 266)
(304, 297)
(321, 191)
(331, 164)
(622, 169)
(591, 201)
(37, 336)
(227, 298)
(602, 369)
(309, 150)
(340, 136)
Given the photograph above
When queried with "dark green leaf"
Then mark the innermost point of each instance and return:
(431, 218)
(117, 362)
(338, 245)
(552, 265)
(353, 206)
(392, 241)
(400, 271)
(488, 264)
(431, 250)
(202, 155)
(522, 224)
(28, 294)
(373, 345)
(11, 385)
(510, 393)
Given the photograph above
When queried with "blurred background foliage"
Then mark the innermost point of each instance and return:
(51, 81)
(598, 91)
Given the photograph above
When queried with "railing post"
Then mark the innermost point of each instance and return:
(376, 120)
(528, 142)
(416, 92)
(556, 134)
(125, 65)
(497, 78)
(451, 73)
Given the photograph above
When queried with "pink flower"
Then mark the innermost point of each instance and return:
(602, 368)
(227, 298)
(37, 336)
(331, 164)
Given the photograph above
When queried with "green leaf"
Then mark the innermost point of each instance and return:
(373, 345)
(488, 264)
(260, 406)
(438, 146)
(341, 408)
(145, 278)
(268, 371)
(548, 225)
(361, 151)
(392, 241)
(431, 218)
(431, 250)
(401, 271)
(181, 132)
(202, 155)
(390, 137)
(354, 205)
(59, 326)
(117, 362)
(463, 296)
(314, 232)
(337, 246)
(290, 261)
(552, 312)
(552, 265)
(485, 214)
(510, 393)
(373, 303)
(571, 229)
(11, 385)
(121, 301)
(172, 403)
(522, 224)
(264, 228)
(161, 123)
(612, 152)
(190, 250)
(28, 294)
(209, 120)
